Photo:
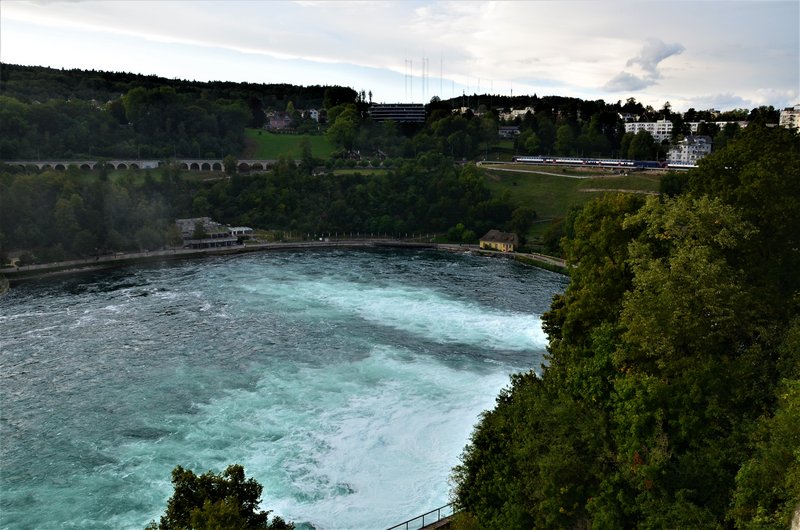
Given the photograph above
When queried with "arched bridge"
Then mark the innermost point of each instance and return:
(188, 164)
(61, 165)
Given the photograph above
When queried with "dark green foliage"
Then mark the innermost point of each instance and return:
(426, 195)
(642, 147)
(671, 395)
(47, 113)
(768, 484)
(61, 215)
(758, 174)
(504, 475)
(673, 183)
(211, 501)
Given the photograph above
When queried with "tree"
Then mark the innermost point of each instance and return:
(642, 146)
(336, 95)
(344, 131)
(306, 155)
(230, 163)
(212, 501)
(521, 220)
(199, 231)
(768, 485)
(689, 363)
(757, 172)
(673, 363)
(564, 140)
(546, 130)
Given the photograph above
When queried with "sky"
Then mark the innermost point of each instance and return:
(711, 54)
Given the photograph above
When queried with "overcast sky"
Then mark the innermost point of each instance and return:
(712, 54)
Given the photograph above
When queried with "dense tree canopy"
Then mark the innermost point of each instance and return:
(50, 113)
(47, 113)
(57, 215)
(670, 397)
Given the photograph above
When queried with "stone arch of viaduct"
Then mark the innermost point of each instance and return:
(195, 164)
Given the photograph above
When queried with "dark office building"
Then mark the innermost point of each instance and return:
(399, 112)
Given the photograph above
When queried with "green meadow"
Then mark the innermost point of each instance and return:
(264, 145)
(551, 191)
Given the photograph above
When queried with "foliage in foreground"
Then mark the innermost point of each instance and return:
(671, 395)
(211, 501)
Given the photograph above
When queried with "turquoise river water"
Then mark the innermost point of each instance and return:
(346, 382)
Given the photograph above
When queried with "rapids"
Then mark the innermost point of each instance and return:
(347, 383)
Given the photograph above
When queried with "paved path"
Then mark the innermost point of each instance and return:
(491, 168)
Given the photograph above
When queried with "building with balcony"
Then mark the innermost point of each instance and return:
(790, 117)
(660, 130)
(399, 112)
(203, 232)
(689, 150)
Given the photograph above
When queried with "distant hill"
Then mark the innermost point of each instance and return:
(38, 83)
(68, 114)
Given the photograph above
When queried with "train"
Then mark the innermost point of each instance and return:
(599, 162)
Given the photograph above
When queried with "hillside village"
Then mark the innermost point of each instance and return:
(72, 115)
(687, 142)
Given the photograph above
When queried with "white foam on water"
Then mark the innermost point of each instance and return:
(349, 399)
(426, 313)
(364, 444)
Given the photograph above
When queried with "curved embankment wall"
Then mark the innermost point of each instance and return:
(29, 272)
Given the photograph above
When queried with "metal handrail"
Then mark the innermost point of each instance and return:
(447, 509)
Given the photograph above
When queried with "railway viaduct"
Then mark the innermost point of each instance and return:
(188, 164)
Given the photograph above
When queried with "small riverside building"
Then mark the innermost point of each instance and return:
(203, 232)
(497, 240)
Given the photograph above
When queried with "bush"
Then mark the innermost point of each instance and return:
(212, 501)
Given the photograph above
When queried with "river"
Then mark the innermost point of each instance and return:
(346, 382)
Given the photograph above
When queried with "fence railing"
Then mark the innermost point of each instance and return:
(425, 519)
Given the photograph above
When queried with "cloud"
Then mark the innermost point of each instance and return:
(653, 52)
(625, 82)
(720, 101)
(604, 52)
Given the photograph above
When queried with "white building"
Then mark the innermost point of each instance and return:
(694, 125)
(240, 231)
(516, 113)
(660, 130)
(790, 117)
(689, 150)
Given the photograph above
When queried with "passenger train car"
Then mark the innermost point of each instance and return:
(598, 162)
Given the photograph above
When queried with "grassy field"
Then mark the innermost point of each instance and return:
(551, 192)
(265, 145)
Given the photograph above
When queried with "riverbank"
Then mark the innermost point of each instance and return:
(13, 275)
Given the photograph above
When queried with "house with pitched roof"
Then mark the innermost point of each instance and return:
(497, 240)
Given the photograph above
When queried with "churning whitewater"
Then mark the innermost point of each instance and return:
(347, 383)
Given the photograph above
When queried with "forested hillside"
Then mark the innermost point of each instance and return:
(57, 215)
(48, 113)
(672, 389)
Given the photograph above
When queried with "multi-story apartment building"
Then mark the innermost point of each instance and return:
(790, 117)
(694, 125)
(689, 150)
(660, 130)
(399, 112)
